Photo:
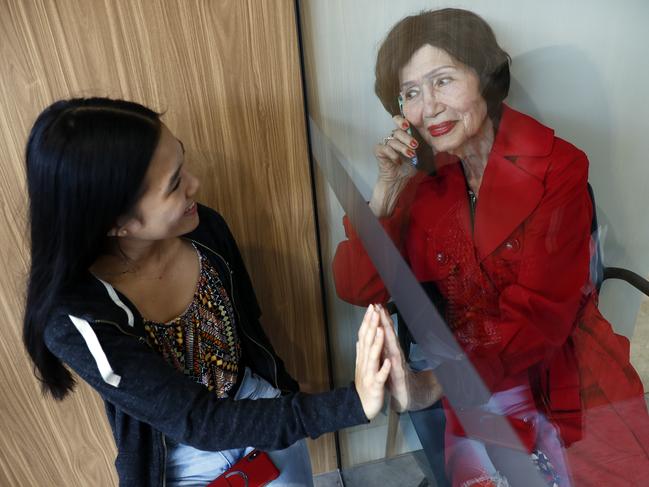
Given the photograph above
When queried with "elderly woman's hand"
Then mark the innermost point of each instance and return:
(399, 380)
(410, 390)
(371, 375)
(393, 156)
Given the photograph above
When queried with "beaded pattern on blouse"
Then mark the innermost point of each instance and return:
(202, 342)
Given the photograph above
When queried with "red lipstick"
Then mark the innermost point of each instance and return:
(441, 128)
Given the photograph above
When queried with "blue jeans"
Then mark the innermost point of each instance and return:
(189, 467)
(429, 424)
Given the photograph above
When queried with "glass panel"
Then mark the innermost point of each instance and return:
(495, 219)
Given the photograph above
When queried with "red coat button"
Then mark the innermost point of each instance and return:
(514, 245)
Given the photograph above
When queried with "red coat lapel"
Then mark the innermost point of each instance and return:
(512, 185)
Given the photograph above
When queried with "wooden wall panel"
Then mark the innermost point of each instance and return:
(227, 75)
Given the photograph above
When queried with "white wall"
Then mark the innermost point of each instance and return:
(580, 67)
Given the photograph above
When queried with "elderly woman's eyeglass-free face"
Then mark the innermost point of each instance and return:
(442, 100)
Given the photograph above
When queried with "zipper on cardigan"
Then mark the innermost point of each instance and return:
(164, 460)
(238, 317)
(252, 339)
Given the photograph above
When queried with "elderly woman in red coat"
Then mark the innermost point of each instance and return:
(490, 206)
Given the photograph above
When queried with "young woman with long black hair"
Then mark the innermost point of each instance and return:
(142, 292)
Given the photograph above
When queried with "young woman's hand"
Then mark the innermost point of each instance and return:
(410, 391)
(371, 375)
(394, 173)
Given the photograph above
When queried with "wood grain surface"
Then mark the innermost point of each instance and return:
(226, 72)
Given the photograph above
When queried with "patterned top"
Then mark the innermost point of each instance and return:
(202, 342)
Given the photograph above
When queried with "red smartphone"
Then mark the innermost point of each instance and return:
(254, 470)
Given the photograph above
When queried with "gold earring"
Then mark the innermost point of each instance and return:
(122, 233)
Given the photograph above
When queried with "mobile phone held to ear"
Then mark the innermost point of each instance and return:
(413, 160)
(256, 469)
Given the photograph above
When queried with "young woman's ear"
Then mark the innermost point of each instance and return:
(125, 228)
(117, 232)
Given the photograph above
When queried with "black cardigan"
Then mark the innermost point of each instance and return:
(99, 334)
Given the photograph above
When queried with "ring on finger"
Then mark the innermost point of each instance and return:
(387, 139)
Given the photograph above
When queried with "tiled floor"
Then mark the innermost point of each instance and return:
(409, 470)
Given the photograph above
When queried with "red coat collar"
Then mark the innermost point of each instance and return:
(512, 184)
(520, 135)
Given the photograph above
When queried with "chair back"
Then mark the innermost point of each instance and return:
(596, 262)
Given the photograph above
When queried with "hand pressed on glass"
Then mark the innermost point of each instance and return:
(410, 390)
(371, 375)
